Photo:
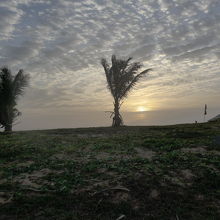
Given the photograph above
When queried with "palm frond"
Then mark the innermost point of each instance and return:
(133, 68)
(133, 83)
(6, 78)
(20, 82)
(108, 74)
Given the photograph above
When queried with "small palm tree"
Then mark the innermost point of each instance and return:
(11, 87)
(121, 77)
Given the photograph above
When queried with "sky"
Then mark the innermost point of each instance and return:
(60, 44)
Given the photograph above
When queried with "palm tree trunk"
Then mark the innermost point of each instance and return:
(117, 121)
(8, 128)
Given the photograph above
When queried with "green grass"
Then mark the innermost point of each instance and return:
(157, 172)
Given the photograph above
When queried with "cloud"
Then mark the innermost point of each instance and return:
(21, 53)
(8, 19)
(197, 54)
(60, 43)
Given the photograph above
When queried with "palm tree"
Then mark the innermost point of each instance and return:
(121, 77)
(11, 88)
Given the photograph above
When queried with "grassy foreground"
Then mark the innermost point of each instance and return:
(161, 172)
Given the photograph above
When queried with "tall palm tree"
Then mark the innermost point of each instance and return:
(11, 88)
(121, 77)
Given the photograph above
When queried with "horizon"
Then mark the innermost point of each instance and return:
(102, 119)
(60, 44)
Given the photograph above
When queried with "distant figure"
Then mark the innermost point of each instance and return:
(205, 112)
(196, 122)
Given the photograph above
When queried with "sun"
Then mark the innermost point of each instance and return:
(141, 109)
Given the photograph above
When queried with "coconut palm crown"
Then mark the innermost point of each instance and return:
(121, 78)
(11, 88)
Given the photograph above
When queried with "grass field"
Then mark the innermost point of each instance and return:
(160, 172)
